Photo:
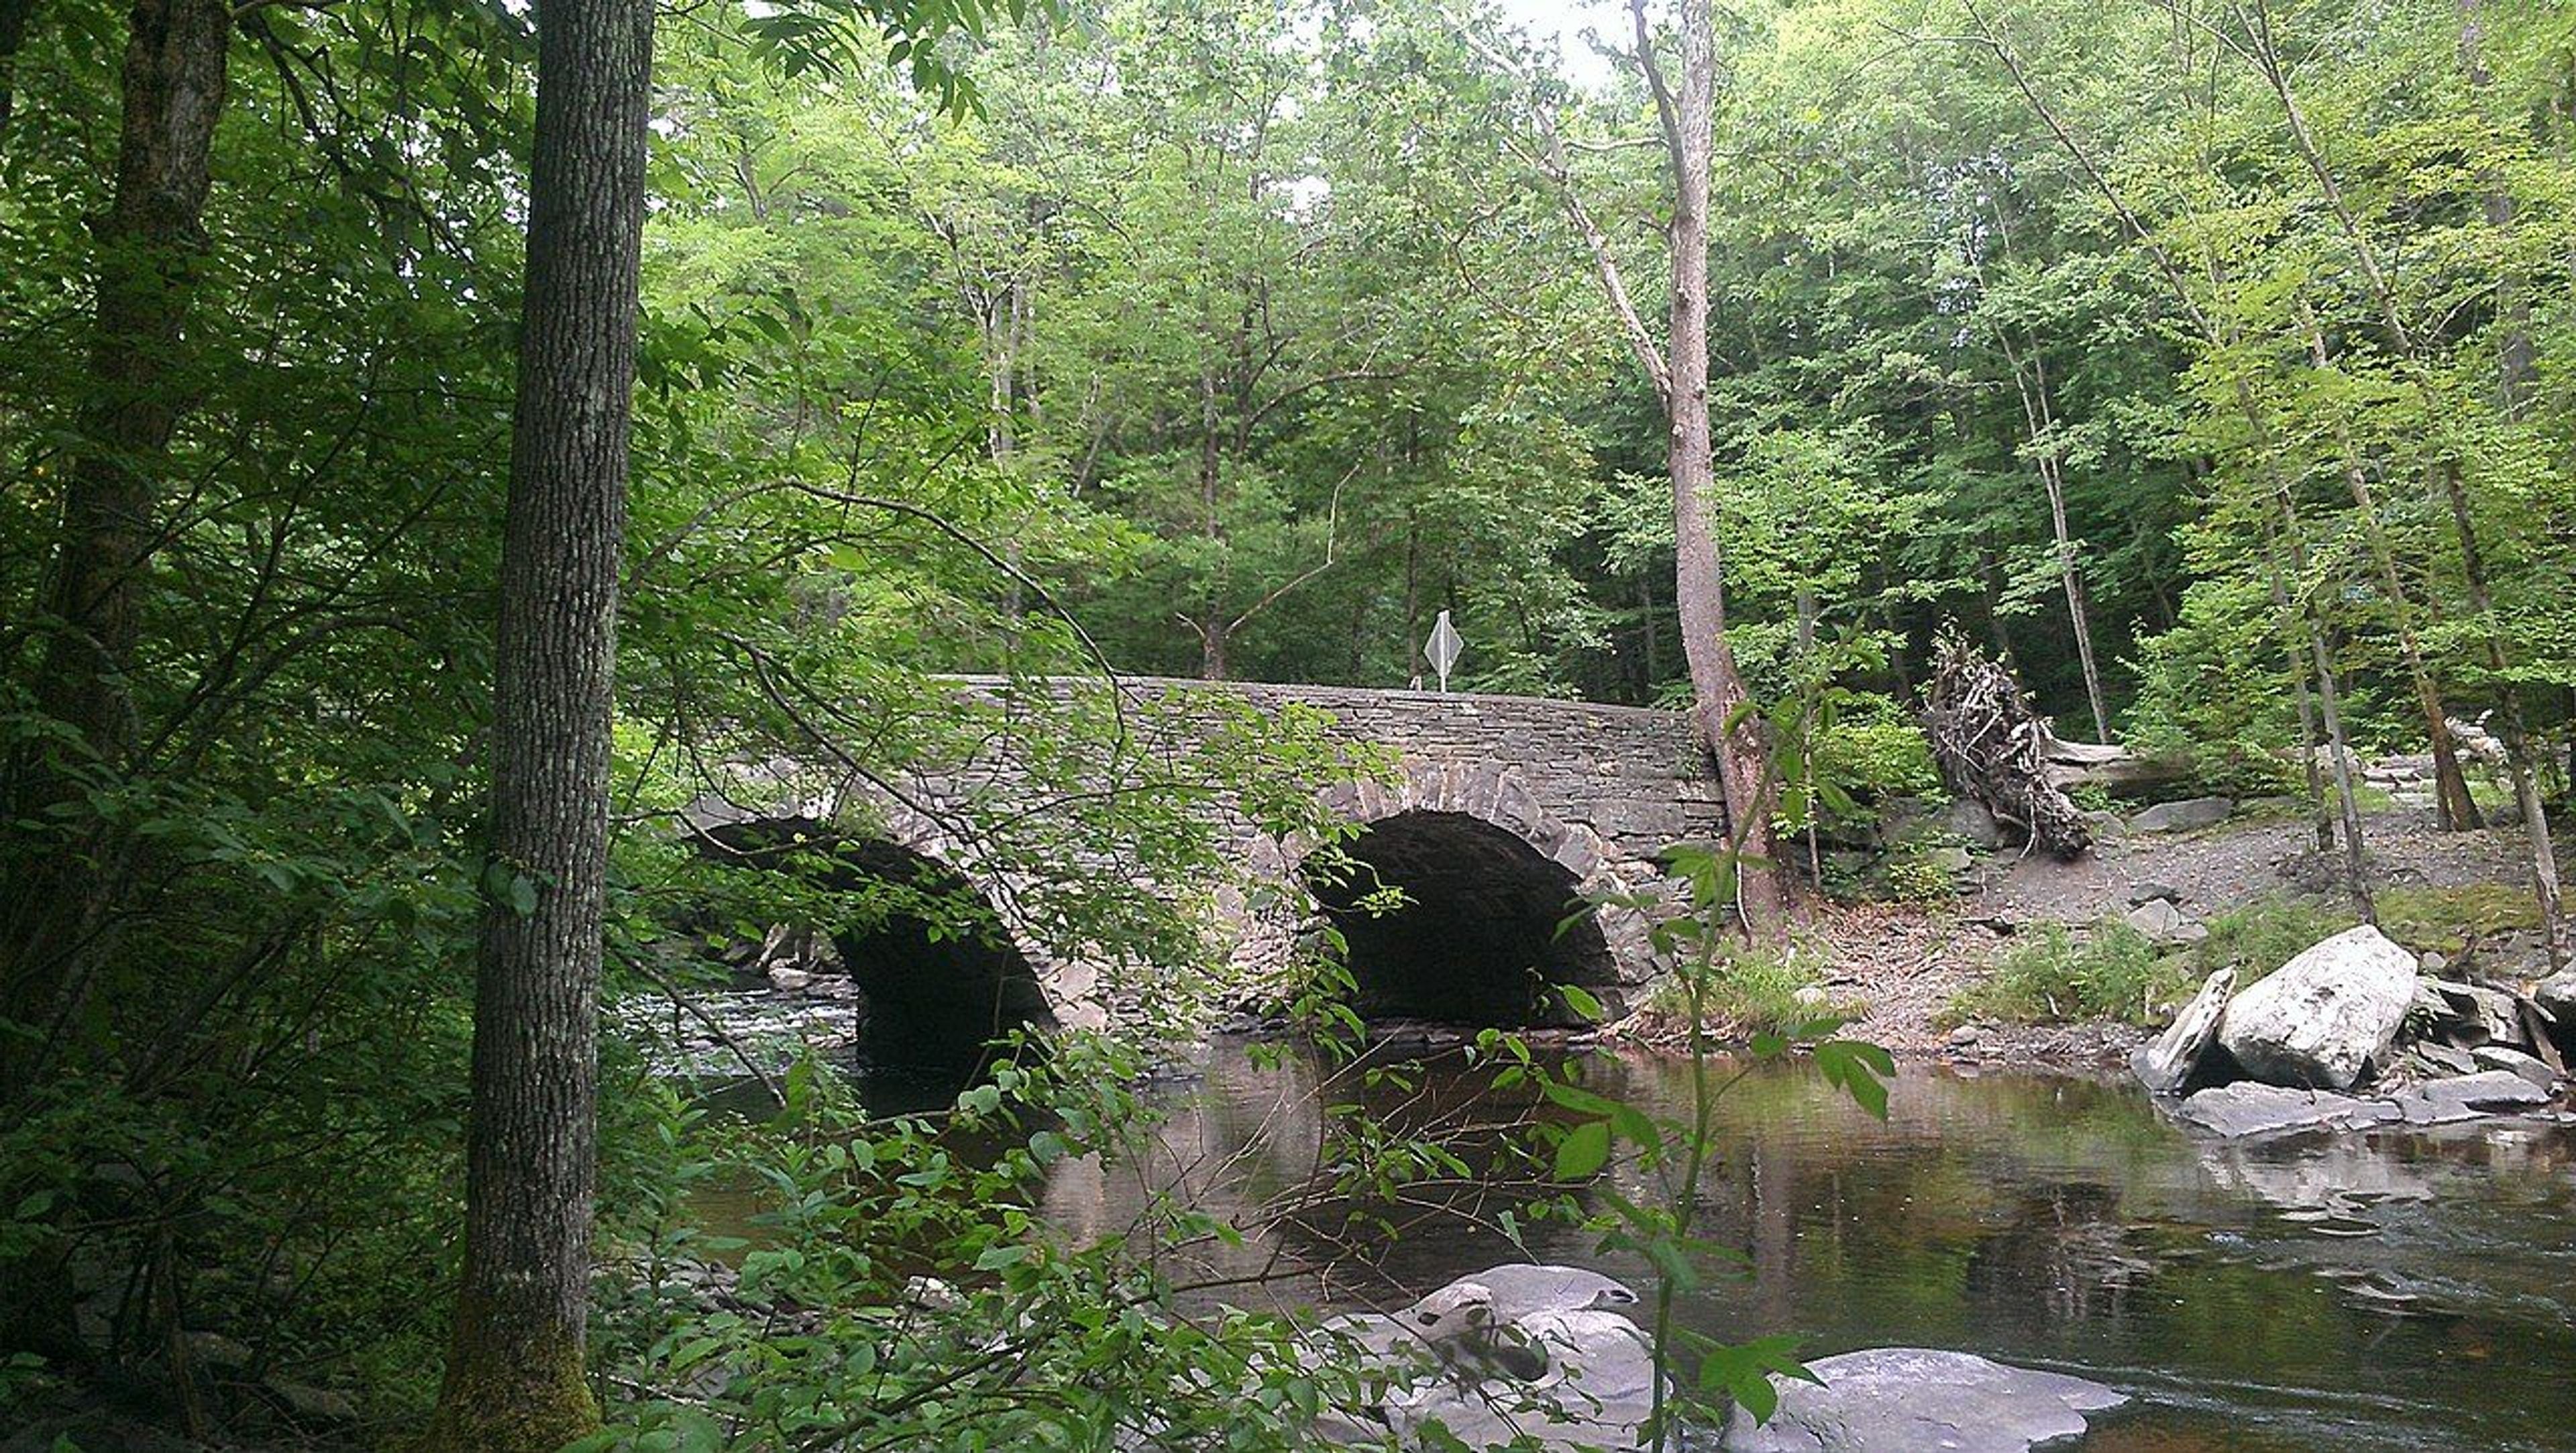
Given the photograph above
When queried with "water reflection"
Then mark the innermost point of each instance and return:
(2399, 1291)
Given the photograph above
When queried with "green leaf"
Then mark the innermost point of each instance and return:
(1581, 1001)
(997, 1257)
(1743, 1371)
(1584, 1150)
(1578, 1099)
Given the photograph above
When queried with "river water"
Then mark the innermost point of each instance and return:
(2327, 1295)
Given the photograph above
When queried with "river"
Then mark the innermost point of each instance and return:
(2327, 1295)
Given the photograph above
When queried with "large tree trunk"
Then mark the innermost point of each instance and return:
(59, 894)
(514, 1375)
(1699, 576)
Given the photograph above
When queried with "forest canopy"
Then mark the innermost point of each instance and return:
(2208, 362)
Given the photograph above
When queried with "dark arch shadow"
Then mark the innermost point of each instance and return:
(941, 976)
(1476, 939)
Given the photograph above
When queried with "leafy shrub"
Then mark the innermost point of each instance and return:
(2110, 972)
(2213, 692)
(1913, 872)
(1753, 992)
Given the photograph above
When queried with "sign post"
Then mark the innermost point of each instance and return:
(1443, 648)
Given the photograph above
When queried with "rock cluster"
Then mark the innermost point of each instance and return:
(2348, 1034)
(1542, 1352)
(1546, 1353)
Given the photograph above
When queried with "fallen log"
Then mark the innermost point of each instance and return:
(2112, 767)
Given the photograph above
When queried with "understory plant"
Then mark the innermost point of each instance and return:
(2110, 971)
(902, 1287)
(1642, 1173)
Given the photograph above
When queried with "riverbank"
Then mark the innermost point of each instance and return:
(1910, 968)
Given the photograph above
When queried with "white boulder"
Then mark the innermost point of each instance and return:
(2328, 1017)
(1909, 1400)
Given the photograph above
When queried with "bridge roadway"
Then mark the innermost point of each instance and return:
(1493, 813)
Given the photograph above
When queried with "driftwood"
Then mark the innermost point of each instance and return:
(2117, 768)
(1992, 748)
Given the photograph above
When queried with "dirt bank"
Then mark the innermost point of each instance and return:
(1906, 962)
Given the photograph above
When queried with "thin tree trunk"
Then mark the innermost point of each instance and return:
(2452, 803)
(2039, 415)
(2318, 807)
(1213, 664)
(58, 912)
(2329, 698)
(1699, 574)
(2042, 419)
(1652, 657)
(514, 1379)
(2329, 705)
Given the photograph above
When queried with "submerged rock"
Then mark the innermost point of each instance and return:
(1910, 1400)
(2246, 1109)
(2327, 1018)
(2167, 1063)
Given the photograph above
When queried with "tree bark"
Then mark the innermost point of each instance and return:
(59, 891)
(514, 1376)
(1699, 574)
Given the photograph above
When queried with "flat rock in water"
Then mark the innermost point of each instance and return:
(2185, 816)
(2465, 1097)
(1909, 1400)
(2328, 1017)
(2164, 1065)
(2246, 1109)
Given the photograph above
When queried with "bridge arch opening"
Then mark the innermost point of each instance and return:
(1475, 938)
(939, 975)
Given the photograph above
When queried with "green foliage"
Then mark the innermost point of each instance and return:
(2263, 935)
(2109, 971)
(1670, 1154)
(933, 1305)
(2260, 936)
(2454, 920)
(1756, 991)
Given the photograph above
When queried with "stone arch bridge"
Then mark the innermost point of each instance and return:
(1495, 815)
